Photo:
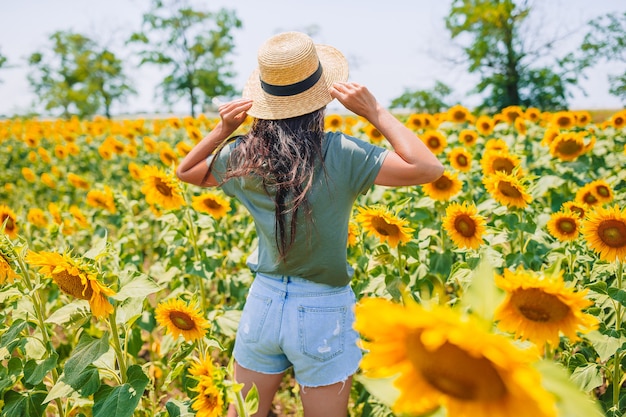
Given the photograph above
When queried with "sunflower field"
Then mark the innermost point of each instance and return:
(495, 291)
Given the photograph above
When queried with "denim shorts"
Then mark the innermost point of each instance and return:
(289, 321)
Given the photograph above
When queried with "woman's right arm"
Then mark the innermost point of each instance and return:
(193, 168)
(410, 162)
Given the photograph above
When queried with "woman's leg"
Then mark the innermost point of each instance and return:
(326, 401)
(266, 384)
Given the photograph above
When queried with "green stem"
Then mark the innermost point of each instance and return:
(194, 243)
(240, 405)
(520, 216)
(617, 359)
(117, 347)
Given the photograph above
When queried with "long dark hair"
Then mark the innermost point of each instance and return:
(283, 154)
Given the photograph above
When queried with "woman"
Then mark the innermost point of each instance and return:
(300, 183)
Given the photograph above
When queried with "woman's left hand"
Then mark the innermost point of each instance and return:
(234, 113)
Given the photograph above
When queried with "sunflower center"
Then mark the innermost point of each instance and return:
(536, 305)
(589, 199)
(182, 320)
(503, 164)
(454, 372)
(433, 143)
(383, 227)
(570, 147)
(566, 225)
(507, 189)
(10, 223)
(564, 121)
(73, 285)
(613, 233)
(163, 188)
(461, 160)
(465, 225)
(603, 191)
(211, 204)
(443, 183)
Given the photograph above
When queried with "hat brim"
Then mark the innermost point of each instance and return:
(270, 107)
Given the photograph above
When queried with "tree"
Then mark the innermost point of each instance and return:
(78, 77)
(194, 47)
(424, 101)
(495, 47)
(605, 41)
(3, 61)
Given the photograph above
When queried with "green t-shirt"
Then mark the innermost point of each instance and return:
(320, 249)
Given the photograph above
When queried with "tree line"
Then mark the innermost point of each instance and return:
(77, 76)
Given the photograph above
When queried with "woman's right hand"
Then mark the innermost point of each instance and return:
(234, 113)
(356, 98)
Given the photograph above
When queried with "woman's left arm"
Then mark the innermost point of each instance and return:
(193, 169)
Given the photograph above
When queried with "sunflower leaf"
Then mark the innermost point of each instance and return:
(121, 401)
(605, 345)
(617, 295)
(177, 408)
(381, 388)
(135, 285)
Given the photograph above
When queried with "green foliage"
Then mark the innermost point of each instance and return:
(424, 101)
(3, 61)
(77, 76)
(495, 47)
(194, 47)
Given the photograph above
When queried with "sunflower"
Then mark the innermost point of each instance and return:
(134, 170)
(415, 121)
(102, 199)
(484, 124)
(563, 120)
(183, 148)
(381, 223)
(444, 188)
(149, 144)
(28, 174)
(179, 319)
(532, 114)
(44, 155)
(520, 125)
(549, 135)
(434, 140)
(468, 137)
(208, 402)
(464, 225)
(493, 161)
(353, 234)
(602, 190)
(202, 367)
(168, 156)
(55, 212)
(583, 118)
(211, 203)
(333, 122)
(161, 189)
(578, 209)
(77, 181)
(587, 195)
(442, 359)
(618, 120)
(9, 220)
(194, 134)
(460, 159)
(37, 217)
(74, 277)
(512, 113)
(564, 225)
(458, 114)
(570, 145)
(496, 145)
(48, 180)
(604, 230)
(79, 217)
(539, 308)
(373, 134)
(60, 152)
(507, 189)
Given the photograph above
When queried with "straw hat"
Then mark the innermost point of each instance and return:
(293, 77)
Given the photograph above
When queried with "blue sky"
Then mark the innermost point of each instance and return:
(391, 45)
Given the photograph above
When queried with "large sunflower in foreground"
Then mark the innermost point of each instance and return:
(446, 360)
(564, 225)
(507, 189)
(74, 277)
(161, 189)
(381, 223)
(179, 319)
(539, 308)
(444, 188)
(211, 203)
(604, 230)
(9, 220)
(464, 225)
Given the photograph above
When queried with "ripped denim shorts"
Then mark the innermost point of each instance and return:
(290, 321)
